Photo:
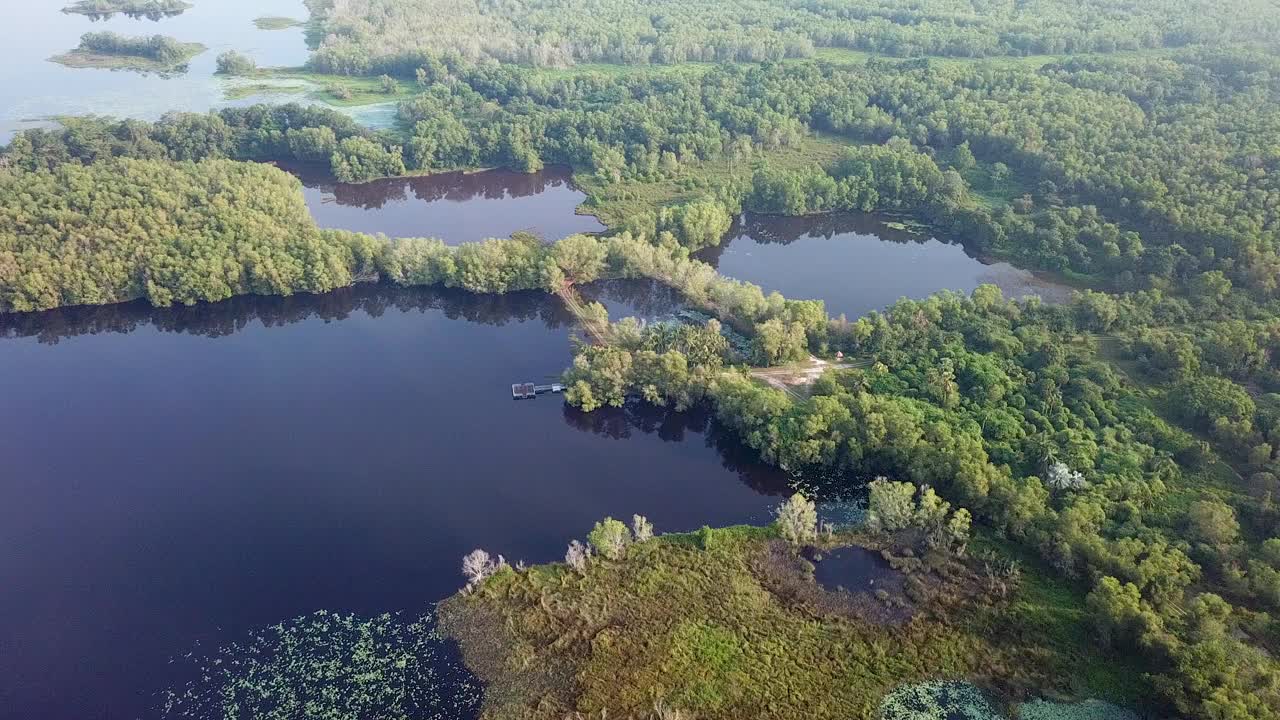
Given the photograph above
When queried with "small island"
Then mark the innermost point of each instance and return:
(157, 53)
(151, 9)
(276, 22)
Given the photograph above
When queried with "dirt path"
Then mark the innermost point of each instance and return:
(792, 378)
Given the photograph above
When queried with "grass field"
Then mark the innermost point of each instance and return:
(336, 90)
(236, 92)
(613, 202)
(711, 624)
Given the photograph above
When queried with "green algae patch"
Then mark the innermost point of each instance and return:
(275, 22)
(239, 92)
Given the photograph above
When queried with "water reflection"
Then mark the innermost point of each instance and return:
(646, 299)
(226, 318)
(455, 207)
(784, 230)
(857, 263)
(639, 298)
(677, 427)
(153, 15)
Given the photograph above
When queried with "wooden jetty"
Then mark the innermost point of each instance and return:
(528, 391)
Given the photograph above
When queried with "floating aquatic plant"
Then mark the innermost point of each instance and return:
(943, 700)
(939, 700)
(1087, 710)
(331, 666)
(843, 514)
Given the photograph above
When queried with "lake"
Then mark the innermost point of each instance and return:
(857, 263)
(183, 476)
(455, 207)
(33, 89)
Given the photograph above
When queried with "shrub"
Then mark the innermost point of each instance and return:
(798, 520)
(1271, 552)
(891, 505)
(610, 538)
(233, 63)
(1212, 522)
(577, 556)
(1062, 478)
(894, 506)
(478, 566)
(642, 528)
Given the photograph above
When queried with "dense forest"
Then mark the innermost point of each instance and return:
(169, 232)
(1131, 438)
(375, 36)
(1179, 146)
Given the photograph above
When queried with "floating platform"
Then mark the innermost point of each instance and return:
(529, 391)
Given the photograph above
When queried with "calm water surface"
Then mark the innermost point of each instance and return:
(183, 475)
(33, 89)
(857, 264)
(454, 207)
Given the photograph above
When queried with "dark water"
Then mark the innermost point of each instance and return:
(182, 475)
(858, 264)
(33, 89)
(855, 569)
(454, 207)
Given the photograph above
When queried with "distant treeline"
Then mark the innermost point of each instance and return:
(364, 37)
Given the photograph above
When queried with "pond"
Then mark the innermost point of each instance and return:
(32, 89)
(855, 569)
(184, 475)
(857, 263)
(455, 207)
